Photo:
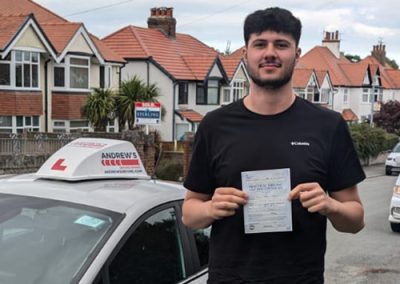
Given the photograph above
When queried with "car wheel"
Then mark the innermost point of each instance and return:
(395, 227)
(388, 171)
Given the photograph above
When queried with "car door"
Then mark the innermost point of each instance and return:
(158, 248)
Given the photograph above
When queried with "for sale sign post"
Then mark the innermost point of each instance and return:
(147, 113)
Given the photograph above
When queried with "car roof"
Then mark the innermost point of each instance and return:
(117, 195)
(103, 173)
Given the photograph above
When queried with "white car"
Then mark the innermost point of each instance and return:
(92, 215)
(392, 163)
(394, 214)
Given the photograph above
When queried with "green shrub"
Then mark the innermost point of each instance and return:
(370, 142)
(169, 170)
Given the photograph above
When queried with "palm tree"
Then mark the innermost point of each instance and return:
(131, 91)
(99, 108)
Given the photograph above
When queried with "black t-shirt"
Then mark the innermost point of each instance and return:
(314, 143)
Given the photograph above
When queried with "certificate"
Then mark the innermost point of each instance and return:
(268, 208)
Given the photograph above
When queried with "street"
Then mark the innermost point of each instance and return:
(372, 255)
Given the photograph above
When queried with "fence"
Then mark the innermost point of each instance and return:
(26, 152)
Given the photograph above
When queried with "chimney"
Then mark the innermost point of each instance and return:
(332, 42)
(161, 18)
(379, 52)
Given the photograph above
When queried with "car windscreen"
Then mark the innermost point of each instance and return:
(48, 241)
(396, 149)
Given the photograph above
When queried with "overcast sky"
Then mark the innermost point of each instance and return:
(361, 23)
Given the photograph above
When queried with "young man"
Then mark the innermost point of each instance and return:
(269, 129)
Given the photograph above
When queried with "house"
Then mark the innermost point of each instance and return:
(48, 66)
(238, 77)
(189, 74)
(359, 87)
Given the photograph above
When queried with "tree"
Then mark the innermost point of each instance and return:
(99, 108)
(353, 58)
(131, 91)
(392, 63)
(389, 117)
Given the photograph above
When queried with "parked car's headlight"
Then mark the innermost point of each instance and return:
(396, 189)
(389, 159)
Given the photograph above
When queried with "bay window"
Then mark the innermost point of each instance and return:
(73, 73)
(20, 69)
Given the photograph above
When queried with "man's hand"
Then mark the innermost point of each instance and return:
(225, 201)
(313, 198)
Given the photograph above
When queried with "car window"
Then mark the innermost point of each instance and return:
(202, 237)
(47, 241)
(152, 254)
(397, 148)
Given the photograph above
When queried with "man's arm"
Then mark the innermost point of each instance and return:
(343, 208)
(200, 210)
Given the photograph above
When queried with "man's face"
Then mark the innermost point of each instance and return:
(271, 58)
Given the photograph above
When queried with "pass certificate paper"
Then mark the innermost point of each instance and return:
(268, 208)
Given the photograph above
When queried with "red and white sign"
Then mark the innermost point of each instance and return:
(147, 113)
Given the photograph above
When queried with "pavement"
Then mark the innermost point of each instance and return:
(375, 170)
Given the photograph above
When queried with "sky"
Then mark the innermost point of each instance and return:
(219, 23)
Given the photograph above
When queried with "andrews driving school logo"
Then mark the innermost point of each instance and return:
(120, 159)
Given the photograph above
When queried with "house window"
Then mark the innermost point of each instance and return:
(365, 95)
(324, 96)
(346, 96)
(200, 94)
(73, 73)
(5, 71)
(212, 92)
(17, 124)
(105, 76)
(71, 126)
(237, 90)
(183, 93)
(209, 96)
(6, 124)
(378, 95)
(59, 76)
(300, 92)
(227, 95)
(26, 69)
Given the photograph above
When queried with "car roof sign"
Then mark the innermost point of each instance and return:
(94, 158)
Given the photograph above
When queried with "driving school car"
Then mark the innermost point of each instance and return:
(394, 214)
(91, 214)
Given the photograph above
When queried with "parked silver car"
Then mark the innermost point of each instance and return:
(394, 213)
(92, 215)
(392, 163)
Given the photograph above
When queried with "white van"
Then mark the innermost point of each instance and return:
(392, 163)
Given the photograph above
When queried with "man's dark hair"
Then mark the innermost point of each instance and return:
(272, 19)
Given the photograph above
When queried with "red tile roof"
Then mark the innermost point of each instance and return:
(349, 115)
(301, 77)
(231, 62)
(183, 57)
(16, 7)
(57, 29)
(190, 115)
(9, 26)
(60, 34)
(321, 74)
(389, 79)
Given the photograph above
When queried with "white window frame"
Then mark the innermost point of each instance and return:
(67, 128)
(67, 73)
(13, 64)
(14, 128)
(345, 96)
(365, 95)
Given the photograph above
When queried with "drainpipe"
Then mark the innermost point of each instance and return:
(148, 72)
(173, 109)
(46, 93)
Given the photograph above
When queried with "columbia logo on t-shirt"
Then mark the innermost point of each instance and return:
(298, 143)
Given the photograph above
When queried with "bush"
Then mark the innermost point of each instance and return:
(169, 170)
(370, 142)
